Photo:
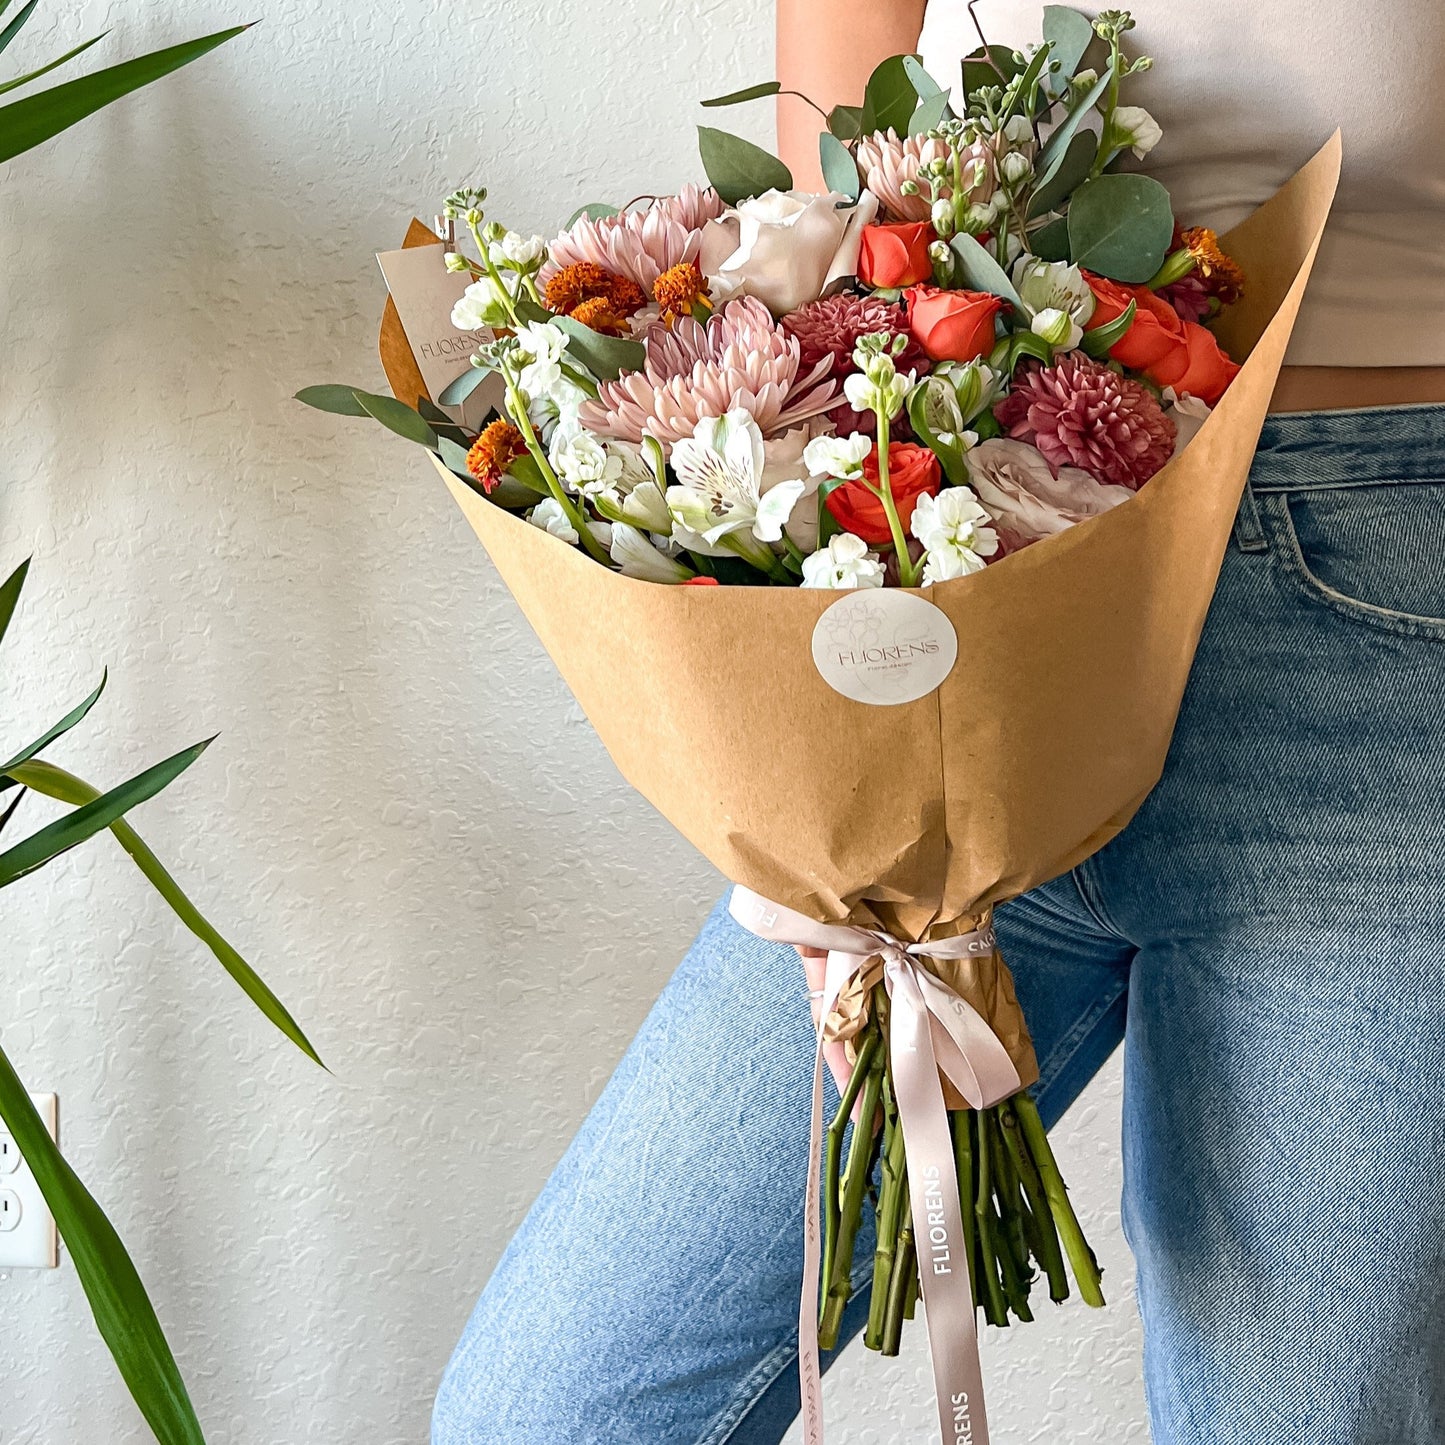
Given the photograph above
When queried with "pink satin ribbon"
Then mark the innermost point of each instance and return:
(932, 1032)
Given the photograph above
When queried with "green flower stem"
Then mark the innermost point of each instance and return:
(995, 1306)
(486, 254)
(904, 1271)
(906, 573)
(890, 1205)
(517, 405)
(962, 1125)
(1081, 1257)
(1008, 1234)
(850, 1211)
(833, 1145)
(1045, 1236)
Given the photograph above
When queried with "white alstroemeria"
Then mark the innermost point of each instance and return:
(583, 462)
(1058, 328)
(549, 516)
(1054, 286)
(481, 305)
(837, 456)
(955, 531)
(643, 506)
(1132, 127)
(517, 252)
(636, 556)
(719, 471)
(785, 460)
(845, 562)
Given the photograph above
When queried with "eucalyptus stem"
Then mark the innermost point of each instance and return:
(1081, 1258)
(906, 574)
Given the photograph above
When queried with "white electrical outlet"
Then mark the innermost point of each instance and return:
(27, 1229)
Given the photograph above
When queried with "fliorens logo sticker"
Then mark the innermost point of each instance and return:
(883, 647)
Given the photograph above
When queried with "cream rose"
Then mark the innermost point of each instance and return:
(784, 247)
(1023, 496)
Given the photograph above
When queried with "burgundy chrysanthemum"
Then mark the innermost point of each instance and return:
(1081, 413)
(831, 327)
(1190, 297)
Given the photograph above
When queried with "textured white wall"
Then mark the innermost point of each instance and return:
(383, 826)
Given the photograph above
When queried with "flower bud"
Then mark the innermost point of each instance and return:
(1016, 168)
(1058, 328)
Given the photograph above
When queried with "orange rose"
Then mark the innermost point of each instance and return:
(897, 255)
(952, 325)
(1202, 369)
(1157, 330)
(912, 471)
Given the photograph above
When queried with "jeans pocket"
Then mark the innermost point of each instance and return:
(1373, 552)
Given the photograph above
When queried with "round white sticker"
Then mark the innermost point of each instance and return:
(884, 647)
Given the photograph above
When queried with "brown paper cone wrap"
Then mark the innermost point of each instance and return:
(1037, 749)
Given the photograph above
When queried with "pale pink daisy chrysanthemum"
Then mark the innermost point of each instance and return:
(885, 162)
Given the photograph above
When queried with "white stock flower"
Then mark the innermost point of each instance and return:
(837, 456)
(1133, 127)
(636, 556)
(719, 471)
(520, 253)
(955, 532)
(845, 562)
(552, 396)
(481, 305)
(582, 461)
(549, 516)
(881, 389)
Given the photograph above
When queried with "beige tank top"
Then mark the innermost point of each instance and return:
(1246, 90)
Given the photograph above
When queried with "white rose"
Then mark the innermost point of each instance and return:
(582, 462)
(844, 563)
(784, 247)
(1021, 494)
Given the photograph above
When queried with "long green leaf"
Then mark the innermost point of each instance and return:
(751, 92)
(63, 726)
(739, 169)
(123, 1311)
(10, 594)
(13, 28)
(56, 783)
(68, 832)
(982, 272)
(54, 64)
(34, 120)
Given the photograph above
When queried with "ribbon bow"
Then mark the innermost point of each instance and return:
(931, 1032)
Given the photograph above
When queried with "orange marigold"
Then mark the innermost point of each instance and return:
(1221, 274)
(600, 316)
(583, 281)
(499, 445)
(678, 290)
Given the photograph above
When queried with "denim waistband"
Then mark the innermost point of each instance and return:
(1301, 450)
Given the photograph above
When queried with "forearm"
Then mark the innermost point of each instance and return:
(826, 50)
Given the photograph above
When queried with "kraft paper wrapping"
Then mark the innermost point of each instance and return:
(1036, 750)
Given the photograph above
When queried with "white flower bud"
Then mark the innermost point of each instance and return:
(1058, 328)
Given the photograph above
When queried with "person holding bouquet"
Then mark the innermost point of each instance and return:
(1265, 937)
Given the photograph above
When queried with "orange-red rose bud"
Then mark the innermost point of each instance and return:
(912, 472)
(893, 256)
(953, 325)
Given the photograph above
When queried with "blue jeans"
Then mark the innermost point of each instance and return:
(1268, 938)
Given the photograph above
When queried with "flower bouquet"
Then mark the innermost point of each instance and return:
(908, 499)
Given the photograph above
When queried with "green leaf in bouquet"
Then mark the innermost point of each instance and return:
(53, 782)
(454, 457)
(930, 114)
(924, 85)
(934, 414)
(441, 423)
(1120, 227)
(526, 473)
(759, 91)
(456, 391)
(840, 170)
(1072, 171)
(828, 526)
(528, 310)
(739, 169)
(29, 122)
(10, 595)
(1102, 339)
(14, 27)
(889, 99)
(1025, 96)
(606, 357)
(54, 64)
(981, 272)
(1051, 242)
(846, 122)
(397, 416)
(1071, 33)
(123, 1312)
(339, 400)
(58, 730)
(996, 68)
(593, 210)
(1056, 148)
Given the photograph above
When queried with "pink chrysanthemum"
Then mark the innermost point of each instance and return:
(741, 358)
(1080, 413)
(885, 162)
(831, 327)
(640, 245)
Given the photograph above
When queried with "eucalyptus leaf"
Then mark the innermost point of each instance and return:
(889, 99)
(10, 594)
(606, 357)
(123, 1311)
(54, 64)
(840, 170)
(58, 730)
(454, 457)
(1051, 158)
(528, 310)
(1028, 78)
(978, 72)
(750, 92)
(1072, 171)
(1051, 242)
(442, 423)
(846, 122)
(1102, 339)
(30, 122)
(53, 782)
(739, 169)
(1071, 33)
(397, 416)
(981, 272)
(593, 210)
(339, 400)
(456, 391)
(1120, 227)
(924, 85)
(930, 114)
